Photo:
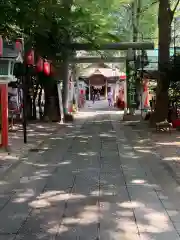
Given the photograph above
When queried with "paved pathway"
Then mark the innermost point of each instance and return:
(96, 182)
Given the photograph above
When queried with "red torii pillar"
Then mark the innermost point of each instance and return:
(4, 115)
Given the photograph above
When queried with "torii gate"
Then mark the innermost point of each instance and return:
(111, 46)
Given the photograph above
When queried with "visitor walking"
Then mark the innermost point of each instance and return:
(110, 99)
(93, 96)
(98, 96)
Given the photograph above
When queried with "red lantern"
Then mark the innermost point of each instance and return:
(122, 77)
(1, 46)
(30, 57)
(39, 65)
(46, 68)
(81, 91)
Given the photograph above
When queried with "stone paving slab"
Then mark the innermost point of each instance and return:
(7, 237)
(38, 236)
(81, 218)
(43, 221)
(12, 218)
(159, 236)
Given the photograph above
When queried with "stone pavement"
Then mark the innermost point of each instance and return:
(97, 181)
(37, 133)
(166, 146)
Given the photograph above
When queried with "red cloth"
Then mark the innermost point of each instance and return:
(82, 91)
(176, 123)
(120, 104)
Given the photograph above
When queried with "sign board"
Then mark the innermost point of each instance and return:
(131, 84)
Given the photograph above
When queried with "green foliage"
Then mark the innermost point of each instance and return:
(123, 23)
(148, 19)
(51, 23)
(147, 24)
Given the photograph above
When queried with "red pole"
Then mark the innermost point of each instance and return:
(4, 115)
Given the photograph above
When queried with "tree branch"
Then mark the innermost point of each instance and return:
(146, 8)
(175, 7)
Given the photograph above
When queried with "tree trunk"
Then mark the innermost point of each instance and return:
(51, 107)
(162, 99)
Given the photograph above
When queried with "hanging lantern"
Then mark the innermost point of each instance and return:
(39, 65)
(122, 77)
(46, 68)
(1, 46)
(30, 57)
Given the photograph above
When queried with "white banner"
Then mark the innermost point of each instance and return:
(98, 87)
(60, 101)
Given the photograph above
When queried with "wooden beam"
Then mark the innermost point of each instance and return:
(112, 46)
(97, 60)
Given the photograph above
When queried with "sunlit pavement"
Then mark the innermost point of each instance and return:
(99, 181)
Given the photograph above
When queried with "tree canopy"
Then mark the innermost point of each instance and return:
(46, 23)
(50, 24)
